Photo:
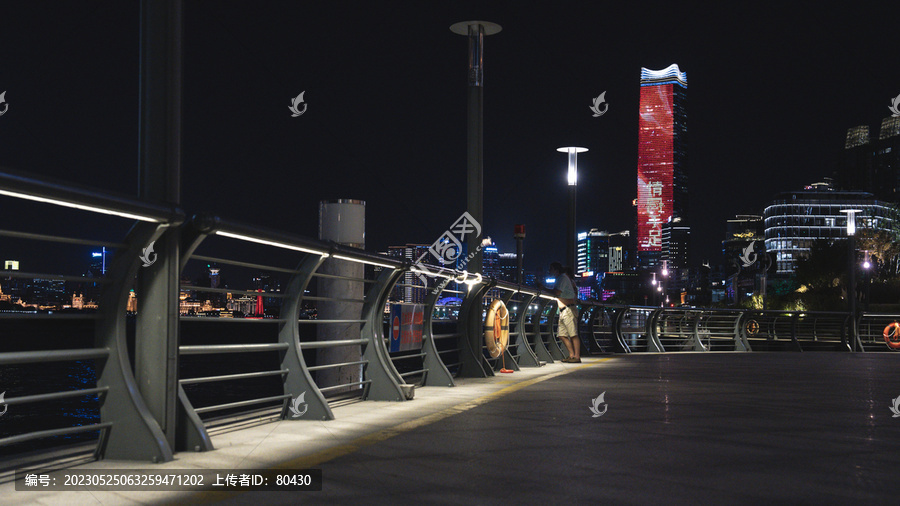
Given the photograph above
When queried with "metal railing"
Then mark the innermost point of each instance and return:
(311, 331)
(111, 404)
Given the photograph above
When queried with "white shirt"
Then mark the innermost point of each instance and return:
(566, 287)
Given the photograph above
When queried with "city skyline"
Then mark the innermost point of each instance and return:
(386, 118)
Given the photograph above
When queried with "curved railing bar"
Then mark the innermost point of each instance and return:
(436, 373)
(471, 357)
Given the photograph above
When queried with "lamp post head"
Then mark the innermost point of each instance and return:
(573, 151)
(475, 31)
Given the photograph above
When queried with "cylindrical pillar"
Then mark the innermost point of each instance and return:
(851, 290)
(342, 221)
(475, 31)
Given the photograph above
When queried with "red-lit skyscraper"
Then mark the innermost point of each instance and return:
(662, 158)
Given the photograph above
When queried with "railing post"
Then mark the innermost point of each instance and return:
(511, 363)
(540, 349)
(555, 351)
(472, 363)
(795, 322)
(298, 380)
(741, 343)
(190, 432)
(698, 343)
(618, 321)
(386, 380)
(136, 433)
(590, 343)
(437, 373)
(527, 357)
(653, 342)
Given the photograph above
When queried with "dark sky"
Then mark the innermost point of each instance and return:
(771, 94)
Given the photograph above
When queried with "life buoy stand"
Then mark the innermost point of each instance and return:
(496, 328)
(892, 335)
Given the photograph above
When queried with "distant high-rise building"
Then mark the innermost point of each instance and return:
(213, 276)
(745, 256)
(592, 253)
(620, 251)
(872, 164)
(12, 286)
(740, 232)
(675, 244)
(600, 251)
(676, 237)
(662, 158)
(490, 260)
(410, 292)
(509, 264)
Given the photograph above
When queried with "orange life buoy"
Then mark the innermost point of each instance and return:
(892, 335)
(496, 328)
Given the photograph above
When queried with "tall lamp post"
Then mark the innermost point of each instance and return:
(475, 31)
(572, 178)
(867, 267)
(664, 283)
(851, 286)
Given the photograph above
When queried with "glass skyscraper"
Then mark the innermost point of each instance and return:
(662, 158)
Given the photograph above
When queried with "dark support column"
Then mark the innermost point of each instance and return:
(475, 31)
(571, 240)
(851, 291)
(475, 173)
(156, 345)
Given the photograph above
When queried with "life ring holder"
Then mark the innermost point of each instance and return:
(496, 328)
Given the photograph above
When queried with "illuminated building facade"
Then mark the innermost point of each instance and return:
(600, 251)
(409, 291)
(662, 158)
(796, 220)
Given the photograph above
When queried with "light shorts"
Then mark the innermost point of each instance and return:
(567, 326)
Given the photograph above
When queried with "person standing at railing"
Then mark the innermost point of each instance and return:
(567, 298)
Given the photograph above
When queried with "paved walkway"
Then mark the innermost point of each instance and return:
(710, 428)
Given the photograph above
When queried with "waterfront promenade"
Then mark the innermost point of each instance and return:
(711, 428)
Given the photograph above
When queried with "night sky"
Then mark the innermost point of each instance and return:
(771, 93)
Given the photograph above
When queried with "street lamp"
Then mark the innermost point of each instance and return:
(572, 178)
(851, 286)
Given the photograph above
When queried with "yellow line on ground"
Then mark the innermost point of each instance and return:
(314, 459)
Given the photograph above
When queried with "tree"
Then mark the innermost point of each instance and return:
(822, 277)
